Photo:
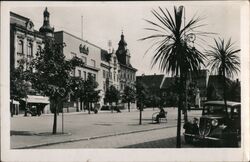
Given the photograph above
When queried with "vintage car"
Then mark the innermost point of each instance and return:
(217, 125)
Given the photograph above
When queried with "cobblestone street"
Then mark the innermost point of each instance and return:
(102, 130)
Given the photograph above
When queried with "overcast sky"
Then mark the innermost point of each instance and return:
(103, 21)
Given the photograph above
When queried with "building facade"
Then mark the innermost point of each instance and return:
(107, 67)
(126, 72)
(25, 43)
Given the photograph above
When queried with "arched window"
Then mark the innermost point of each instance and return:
(30, 50)
(20, 47)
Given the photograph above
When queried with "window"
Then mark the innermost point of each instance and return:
(103, 71)
(84, 75)
(29, 53)
(79, 73)
(30, 50)
(110, 75)
(94, 76)
(104, 86)
(20, 47)
(84, 59)
(89, 74)
(39, 49)
(114, 76)
(92, 62)
(107, 74)
(114, 61)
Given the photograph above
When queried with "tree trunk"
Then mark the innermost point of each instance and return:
(11, 108)
(112, 108)
(140, 115)
(88, 108)
(185, 108)
(26, 105)
(77, 105)
(80, 105)
(55, 118)
(224, 89)
(180, 103)
(128, 106)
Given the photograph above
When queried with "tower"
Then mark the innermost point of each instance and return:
(122, 52)
(46, 29)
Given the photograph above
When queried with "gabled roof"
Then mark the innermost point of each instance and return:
(151, 81)
(18, 19)
(217, 81)
(167, 82)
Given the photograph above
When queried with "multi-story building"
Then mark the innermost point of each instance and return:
(25, 42)
(109, 72)
(107, 67)
(127, 71)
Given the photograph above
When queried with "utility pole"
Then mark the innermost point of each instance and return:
(82, 27)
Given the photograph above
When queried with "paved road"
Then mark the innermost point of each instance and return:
(36, 130)
(162, 138)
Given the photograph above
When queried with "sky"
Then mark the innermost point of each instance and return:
(104, 21)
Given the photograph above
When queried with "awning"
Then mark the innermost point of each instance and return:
(37, 99)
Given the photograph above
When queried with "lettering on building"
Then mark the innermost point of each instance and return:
(83, 49)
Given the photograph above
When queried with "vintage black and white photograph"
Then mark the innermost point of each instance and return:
(125, 76)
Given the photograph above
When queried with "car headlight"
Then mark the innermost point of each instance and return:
(214, 122)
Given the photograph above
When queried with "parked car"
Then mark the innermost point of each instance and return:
(216, 125)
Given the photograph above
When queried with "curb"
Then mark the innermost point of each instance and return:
(89, 138)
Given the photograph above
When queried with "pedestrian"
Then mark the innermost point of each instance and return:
(162, 114)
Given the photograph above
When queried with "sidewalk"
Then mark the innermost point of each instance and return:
(82, 126)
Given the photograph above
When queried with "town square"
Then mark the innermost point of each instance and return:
(104, 75)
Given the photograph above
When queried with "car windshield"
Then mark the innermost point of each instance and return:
(214, 109)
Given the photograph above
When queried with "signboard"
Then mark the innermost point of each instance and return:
(83, 49)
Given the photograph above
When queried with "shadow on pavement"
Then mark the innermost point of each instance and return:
(22, 133)
(30, 133)
(163, 143)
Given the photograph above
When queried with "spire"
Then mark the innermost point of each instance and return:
(46, 28)
(122, 43)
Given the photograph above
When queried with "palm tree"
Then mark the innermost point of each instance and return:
(224, 61)
(173, 53)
